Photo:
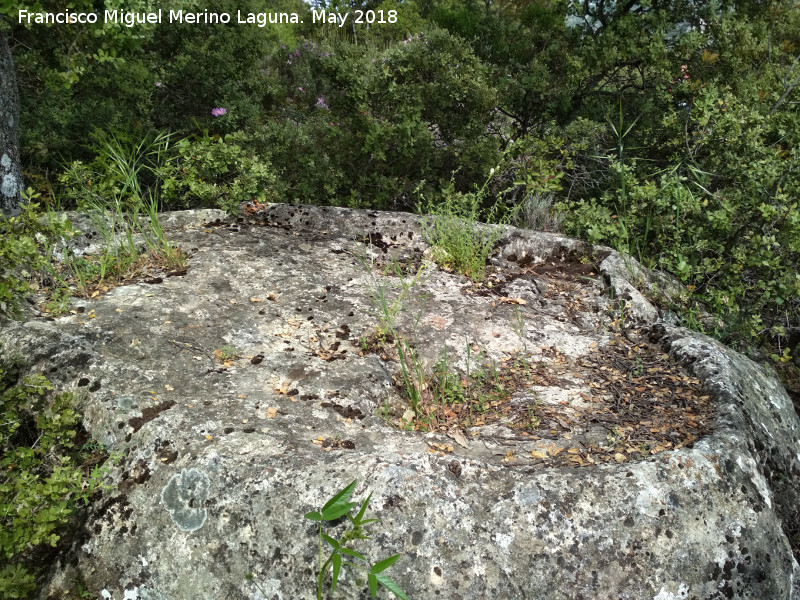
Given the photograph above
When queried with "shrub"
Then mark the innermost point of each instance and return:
(726, 222)
(44, 479)
(25, 244)
(216, 172)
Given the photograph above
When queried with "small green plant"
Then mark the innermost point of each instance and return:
(519, 328)
(341, 553)
(45, 480)
(26, 244)
(227, 353)
(412, 374)
(217, 172)
(386, 306)
(458, 242)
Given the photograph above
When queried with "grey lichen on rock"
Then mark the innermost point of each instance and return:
(184, 498)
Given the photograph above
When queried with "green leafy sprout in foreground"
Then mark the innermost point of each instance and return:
(337, 507)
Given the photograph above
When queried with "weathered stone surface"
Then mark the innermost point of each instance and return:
(220, 461)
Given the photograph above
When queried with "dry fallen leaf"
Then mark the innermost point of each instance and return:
(441, 447)
(537, 454)
(272, 412)
(209, 437)
(169, 388)
(254, 299)
(458, 437)
(553, 450)
(619, 457)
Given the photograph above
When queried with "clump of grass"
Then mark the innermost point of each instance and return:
(458, 241)
(388, 296)
(448, 397)
(124, 210)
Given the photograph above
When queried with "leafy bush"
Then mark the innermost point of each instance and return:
(44, 479)
(364, 127)
(216, 172)
(726, 223)
(25, 243)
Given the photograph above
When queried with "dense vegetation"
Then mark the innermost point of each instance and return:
(664, 128)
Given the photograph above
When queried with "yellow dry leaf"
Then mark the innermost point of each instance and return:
(272, 412)
(169, 388)
(554, 450)
(509, 457)
(209, 437)
(537, 454)
(619, 457)
(254, 299)
(441, 447)
(241, 396)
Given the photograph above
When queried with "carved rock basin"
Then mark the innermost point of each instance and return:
(245, 392)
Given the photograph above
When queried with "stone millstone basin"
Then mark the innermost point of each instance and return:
(599, 453)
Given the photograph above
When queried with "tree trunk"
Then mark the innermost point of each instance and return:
(10, 171)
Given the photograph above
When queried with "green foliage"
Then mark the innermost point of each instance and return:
(458, 241)
(727, 228)
(216, 172)
(43, 477)
(387, 305)
(26, 242)
(126, 168)
(335, 508)
(363, 127)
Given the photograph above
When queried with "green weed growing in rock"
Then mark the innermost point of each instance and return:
(458, 242)
(341, 553)
(386, 304)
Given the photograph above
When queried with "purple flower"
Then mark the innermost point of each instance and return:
(158, 84)
(218, 112)
(321, 103)
(300, 88)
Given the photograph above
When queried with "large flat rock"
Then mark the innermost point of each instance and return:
(632, 460)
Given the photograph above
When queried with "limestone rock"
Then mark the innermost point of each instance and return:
(224, 451)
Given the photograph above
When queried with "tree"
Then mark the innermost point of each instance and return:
(10, 172)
